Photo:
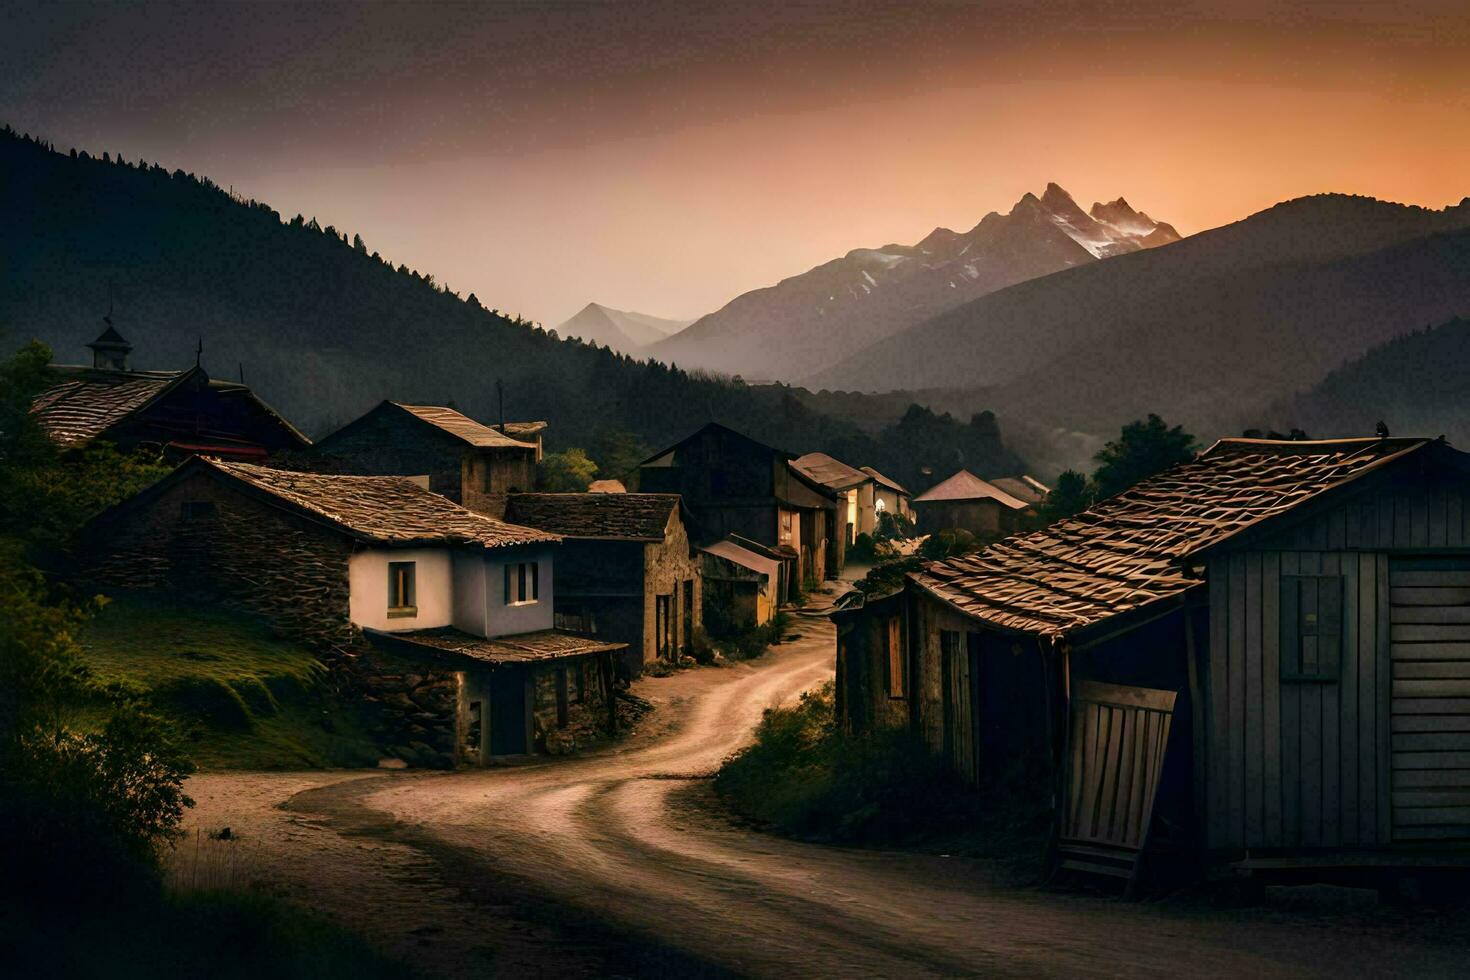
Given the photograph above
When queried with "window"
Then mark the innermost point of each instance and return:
(522, 583)
(474, 729)
(194, 510)
(893, 647)
(487, 476)
(401, 590)
(879, 505)
(1311, 627)
(786, 523)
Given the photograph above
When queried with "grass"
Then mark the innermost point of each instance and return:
(804, 777)
(247, 698)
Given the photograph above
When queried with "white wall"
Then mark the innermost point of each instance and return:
(367, 577)
(469, 592)
(503, 620)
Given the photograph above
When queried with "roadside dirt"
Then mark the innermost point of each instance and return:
(619, 864)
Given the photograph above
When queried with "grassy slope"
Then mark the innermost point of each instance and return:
(248, 699)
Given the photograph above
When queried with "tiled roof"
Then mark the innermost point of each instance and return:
(880, 478)
(383, 509)
(745, 558)
(606, 486)
(86, 402)
(965, 485)
(1127, 552)
(524, 430)
(542, 645)
(619, 516)
(829, 472)
(467, 429)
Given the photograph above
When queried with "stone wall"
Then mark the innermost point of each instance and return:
(668, 568)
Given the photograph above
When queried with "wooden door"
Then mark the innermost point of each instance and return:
(1116, 744)
(961, 748)
(1430, 644)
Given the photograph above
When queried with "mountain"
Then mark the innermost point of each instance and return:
(324, 330)
(808, 322)
(621, 330)
(1202, 331)
(1418, 384)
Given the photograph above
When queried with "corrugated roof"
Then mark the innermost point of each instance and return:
(732, 552)
(965, 485)
(829, 471)
(383, 509)
(612, 516)
(1127, 552)
(467, 429)
(1023, 487)
(880, 478)
(521, 648)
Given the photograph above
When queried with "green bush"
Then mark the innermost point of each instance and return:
(806, 778)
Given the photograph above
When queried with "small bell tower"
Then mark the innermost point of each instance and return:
(110, 351)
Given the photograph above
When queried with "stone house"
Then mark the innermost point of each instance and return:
(852, 487)
(440, 615)
(733, 484)
(179, 412)
(742, 584)
(1258, 657)
(625, 571)
(966, 501)
(475, 465)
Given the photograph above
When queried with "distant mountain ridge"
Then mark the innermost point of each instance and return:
(622, 330)
(808, 322)
(1203, 332)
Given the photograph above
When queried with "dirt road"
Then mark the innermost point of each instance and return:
(610, 865)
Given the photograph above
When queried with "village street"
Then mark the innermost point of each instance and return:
(617, 864)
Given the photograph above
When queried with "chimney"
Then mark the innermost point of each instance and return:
(110, 351)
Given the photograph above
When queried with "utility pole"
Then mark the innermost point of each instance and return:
(500, 393)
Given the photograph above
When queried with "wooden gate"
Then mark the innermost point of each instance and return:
(1431, 699)
(1116, 743)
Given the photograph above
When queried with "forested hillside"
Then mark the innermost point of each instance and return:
(324, 327)
(1417, 384)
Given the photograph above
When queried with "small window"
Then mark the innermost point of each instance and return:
(879, 505)
(1311, 627)
(522, 583)
(487, 476)
(196, 510)
(893, 647)
(401, 589)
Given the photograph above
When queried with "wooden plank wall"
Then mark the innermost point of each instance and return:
(1303, 764)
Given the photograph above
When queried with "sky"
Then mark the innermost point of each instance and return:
(667, 156)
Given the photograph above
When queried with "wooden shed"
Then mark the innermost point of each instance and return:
(1262, 655)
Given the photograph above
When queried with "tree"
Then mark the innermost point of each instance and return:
(618, 453)
(1142, 449)
(1071, 495)
(566, 472)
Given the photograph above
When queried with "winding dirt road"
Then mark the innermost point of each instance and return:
(610, 865)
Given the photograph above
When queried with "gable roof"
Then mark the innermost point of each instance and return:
(389, 510)
(745, 558)
(84, 402)
(965, 485)
(604, 516)
(466, 429)
(880, 478)
(1129, 551)
(829, 471)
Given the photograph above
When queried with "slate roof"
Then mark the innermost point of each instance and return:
(467, 430)
(382, 509)
(603, 516)
(830, 472)
(522, 648)
(84, 402)
(965, 485)
(880, 478)
(1129, 551)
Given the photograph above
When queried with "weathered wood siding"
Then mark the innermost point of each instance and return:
(1308, 764)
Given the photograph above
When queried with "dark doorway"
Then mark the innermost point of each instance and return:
(508, 713)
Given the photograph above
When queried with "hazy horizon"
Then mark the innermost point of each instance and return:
(663, 158)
